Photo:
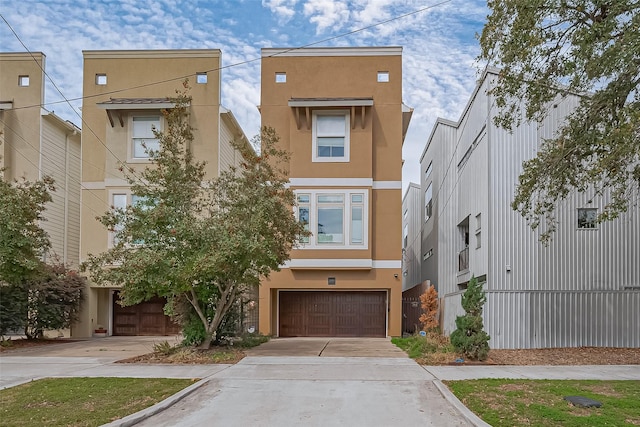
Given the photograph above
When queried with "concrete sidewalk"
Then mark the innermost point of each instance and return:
(538, 372)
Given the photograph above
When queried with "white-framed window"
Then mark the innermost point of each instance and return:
(121, 199)
(587, 218)
(428, 203)
(142, 137)
(331, 136)
(383, 76)
(101, 79)
(201, 78)
(337, 219)
(281, 77)
(23, 81)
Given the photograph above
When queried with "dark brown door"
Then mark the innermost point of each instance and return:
(332, 314)
(146, 318)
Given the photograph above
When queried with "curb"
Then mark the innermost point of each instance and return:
(452, 399)
(139, 416)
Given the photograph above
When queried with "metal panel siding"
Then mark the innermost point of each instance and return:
(227, 152)
(412, 256)
(563, 319)
(577, 291)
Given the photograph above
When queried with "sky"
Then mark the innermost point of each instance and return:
(438, 39)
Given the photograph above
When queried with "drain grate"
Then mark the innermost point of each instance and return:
(583, 402)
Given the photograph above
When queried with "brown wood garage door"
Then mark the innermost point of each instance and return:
(146, 318)
(332, 314)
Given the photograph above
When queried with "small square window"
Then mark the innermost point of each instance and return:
(383, 76)
(201, 78)
(101, 79)
(587, 218)
(23, 81)
(281, 77)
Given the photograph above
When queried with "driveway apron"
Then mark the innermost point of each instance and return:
(293, 382)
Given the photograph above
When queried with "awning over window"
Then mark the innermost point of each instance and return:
(119, 104)
(302, 108)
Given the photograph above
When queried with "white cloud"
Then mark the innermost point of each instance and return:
(327, 14)
(283, 9)
(439, 69)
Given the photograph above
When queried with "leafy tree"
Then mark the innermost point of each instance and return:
(470, 338)
(53, 300)
(429, 304)
(199, 243)
(548, 49)
(22, 240)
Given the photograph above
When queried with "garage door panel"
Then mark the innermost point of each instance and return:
(146, 318)
(332, 313)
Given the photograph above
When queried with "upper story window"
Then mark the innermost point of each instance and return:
(587, 218)
(201, 78)
(101, 79)
(143, 139)
(336, 219)
(383, 76)
(405, 235)
(281, 77)
(331, 136)
(428, 202)
(23, 81)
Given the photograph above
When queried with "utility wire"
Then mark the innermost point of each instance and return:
(237, 64)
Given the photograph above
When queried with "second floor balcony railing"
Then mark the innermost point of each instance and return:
(463, 259)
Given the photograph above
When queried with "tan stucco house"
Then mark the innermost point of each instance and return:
(339, 112)
(34, 143)
(123, 94)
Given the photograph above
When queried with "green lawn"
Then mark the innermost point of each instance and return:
(82, 401)
(502, 402)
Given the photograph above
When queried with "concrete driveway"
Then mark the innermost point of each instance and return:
(315, 391)
(108, 348)
(328, 347)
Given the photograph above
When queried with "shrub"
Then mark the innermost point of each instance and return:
(163, 348)
(429, 303)
(193, 331)
(469, 338)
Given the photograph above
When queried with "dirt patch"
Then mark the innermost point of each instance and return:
(21, 343)
(190, 356)
(566, 356)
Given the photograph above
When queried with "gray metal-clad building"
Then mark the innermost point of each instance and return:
(411, 247)
(583, 289)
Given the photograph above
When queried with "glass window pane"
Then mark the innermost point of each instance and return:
(120, 201)
(330, 225)
(324, 151)
(330, 198)
(303, 217)
(139, 144)
(337, 151)
(330, 125)
(356, 198)
(143, 126)
(303, 198)
(356, 225)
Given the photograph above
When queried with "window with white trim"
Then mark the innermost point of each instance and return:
(336, 219)
(201, 78)
(23, 81)
(119, 200)
(330, 136)
(101, 79)
(143, 139)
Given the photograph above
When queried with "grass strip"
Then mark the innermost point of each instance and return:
(506, 402)
(82, 401)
